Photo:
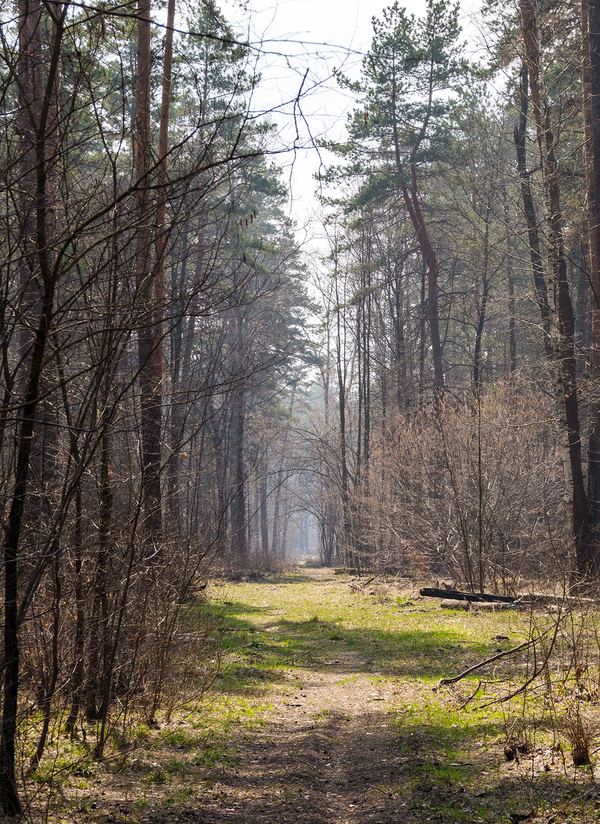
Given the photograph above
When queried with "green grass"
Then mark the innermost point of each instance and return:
(394, 640)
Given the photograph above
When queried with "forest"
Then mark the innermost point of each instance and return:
(186, 393)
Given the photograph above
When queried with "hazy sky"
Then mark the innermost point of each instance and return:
(299, 44)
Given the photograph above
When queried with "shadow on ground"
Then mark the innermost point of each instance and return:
(339, 766)
(342, 770)
(315, 642)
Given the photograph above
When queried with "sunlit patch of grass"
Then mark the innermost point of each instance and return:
(67, 760)
(184, 738)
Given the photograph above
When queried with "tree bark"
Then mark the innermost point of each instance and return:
(148, 353)
(537, 265)
(590, 24)
(410, 194)
(240, 543)
(481, 315)
(264, 525)
(564, 348)
(512, 340)
(345, 481)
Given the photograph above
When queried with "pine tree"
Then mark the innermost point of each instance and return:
(404, 125)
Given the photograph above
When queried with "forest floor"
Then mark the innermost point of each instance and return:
(327, 710)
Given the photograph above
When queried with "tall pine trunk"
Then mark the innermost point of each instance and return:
(148, 352)
(590, 25)
(563, 356)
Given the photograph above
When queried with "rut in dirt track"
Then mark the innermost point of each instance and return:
(339, 769)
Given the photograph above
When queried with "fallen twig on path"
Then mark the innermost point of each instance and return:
(471, 697)
(373, 787)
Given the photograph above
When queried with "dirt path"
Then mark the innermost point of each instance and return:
(326, 755)
(321, 753)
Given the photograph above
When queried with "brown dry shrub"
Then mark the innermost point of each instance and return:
(471, 491)
(580, 733)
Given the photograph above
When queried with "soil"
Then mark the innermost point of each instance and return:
(339, 768)
(326, 754)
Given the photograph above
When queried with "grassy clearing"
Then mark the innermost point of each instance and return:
(439, 751)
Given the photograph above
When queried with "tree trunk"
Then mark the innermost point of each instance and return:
(347, 520)
(410, 194)
(512, 341)
(240, 543)
(590, 23)
(148, 353)
(564, 349)
(537, 266)
(481, 314)
(264, 526)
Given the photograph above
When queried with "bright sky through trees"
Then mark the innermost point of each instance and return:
(302, 42)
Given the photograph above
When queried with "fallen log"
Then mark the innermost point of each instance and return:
(451, 603)
(492, 606)
(456, 595)
(541, 599)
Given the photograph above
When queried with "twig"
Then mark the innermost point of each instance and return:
(471, 697)
(383, 792)
(443, 681)
(310, 650)
(529, 681)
